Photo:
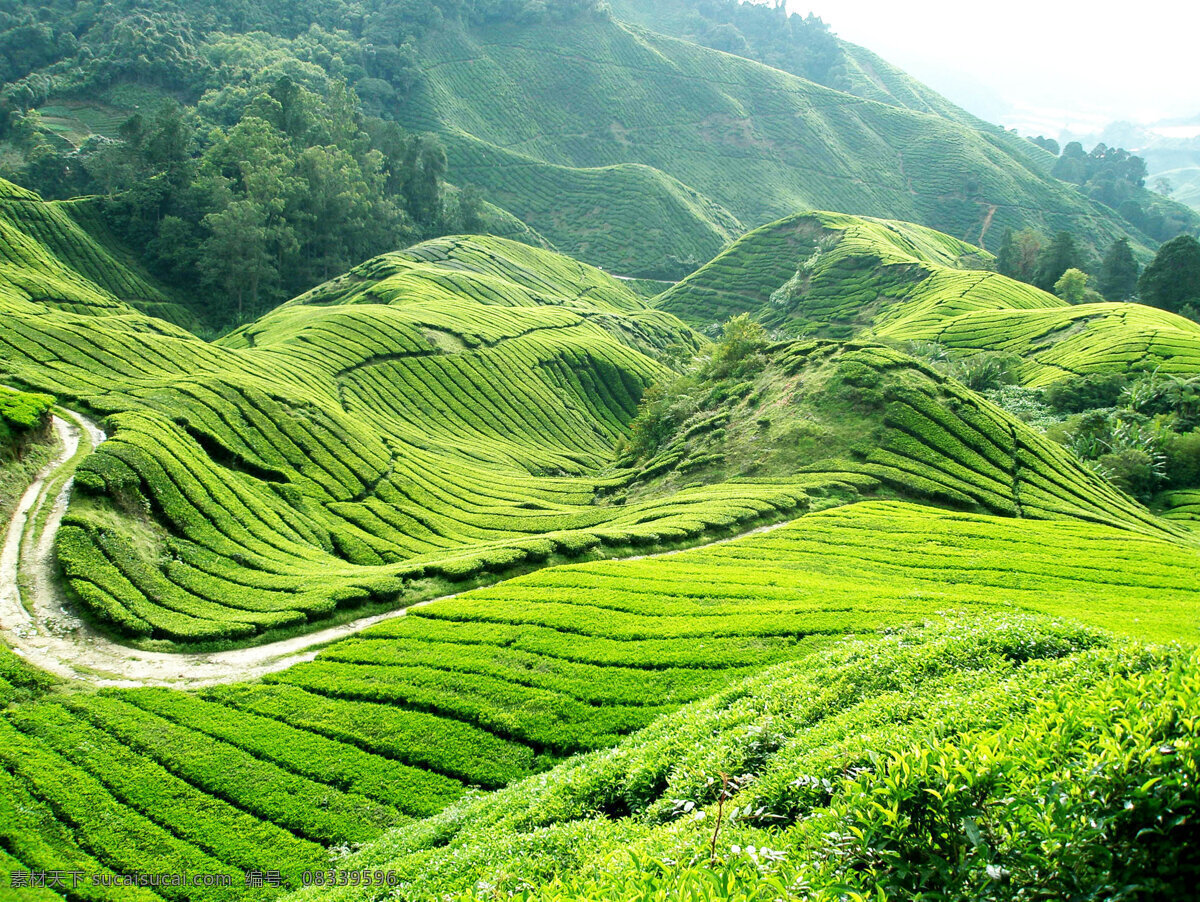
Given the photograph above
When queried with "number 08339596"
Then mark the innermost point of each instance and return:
(336, 877)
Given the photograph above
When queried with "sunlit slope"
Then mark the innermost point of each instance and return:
(843, 276)
(515, 104)
(956, 729)
(863, 73)
(822, 407)
(498, 684)
(336, 455)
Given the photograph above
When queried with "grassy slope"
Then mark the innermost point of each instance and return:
(326, 459)
(842, 276)
(821, 407)
(79, 267)
(27, 443)
(882, 765)
(488, 688)
(444, 414)
(754, 140)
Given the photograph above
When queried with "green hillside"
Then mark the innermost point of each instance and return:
(364, 539)
(449, 415)
(564, 123)
(326, 459)
(462, 412)
(840, 276)
(388, 728)
(757, 141)
(916, 763)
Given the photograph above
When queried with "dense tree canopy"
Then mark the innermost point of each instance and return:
(1061, 254)
(1172, 280)
(1018, 254)
(1119, 272)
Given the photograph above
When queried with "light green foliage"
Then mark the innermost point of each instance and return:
(722, 657)
(26, 445)
(1072, 286)
(356, 474)
(860, 420)
(21, 413)
(839, 276)
(940, 760)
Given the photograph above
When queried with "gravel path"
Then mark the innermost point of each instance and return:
(43, 630)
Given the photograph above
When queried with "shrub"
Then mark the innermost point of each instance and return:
(1079, 393)
(1183, 459)
(985, 371)
(1132, 470)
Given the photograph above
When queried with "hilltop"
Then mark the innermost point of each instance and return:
(838, 276)
(297, 143)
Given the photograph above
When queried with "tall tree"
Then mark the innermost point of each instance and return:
(1172, 280)
(1018, 254)
(1055, 259)
(237, 255)
(425, 167)
(1119, 272)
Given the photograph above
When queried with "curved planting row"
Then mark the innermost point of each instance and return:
(433, 417)
(484, 689)
(844, 276)
(625, 147)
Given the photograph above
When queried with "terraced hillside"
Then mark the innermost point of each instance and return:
(498, 684)
(324, 462)
(746, 142)
(51, 257)
(841, 276)
(822, 407)
(793, 779)
(453, 415)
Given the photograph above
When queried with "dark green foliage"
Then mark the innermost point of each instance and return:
(1172, 280)
(1018, 254)
(1079, 393)
(1118, 280)
(985, 371)
(1047, 144)
(1135, 471)
(1183, 459)
(1056, 258)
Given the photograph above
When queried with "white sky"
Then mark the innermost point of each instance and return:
(1055, 63)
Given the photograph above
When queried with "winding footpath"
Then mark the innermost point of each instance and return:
(38, 624)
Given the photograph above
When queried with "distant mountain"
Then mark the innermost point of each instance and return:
(628, 148)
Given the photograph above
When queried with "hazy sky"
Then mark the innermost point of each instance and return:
(1061, 64)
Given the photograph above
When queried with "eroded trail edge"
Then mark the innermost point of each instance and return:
(39, 625)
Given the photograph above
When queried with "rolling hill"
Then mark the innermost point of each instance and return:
(838, 276)
(595, 131)
(325, 461)
(751, 142)
(459, 413)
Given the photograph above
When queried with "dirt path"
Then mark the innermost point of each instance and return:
(43, 630)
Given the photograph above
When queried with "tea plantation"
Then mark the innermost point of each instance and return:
(488, 688)
(842, 276)
(625, 147)
(935, 640)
